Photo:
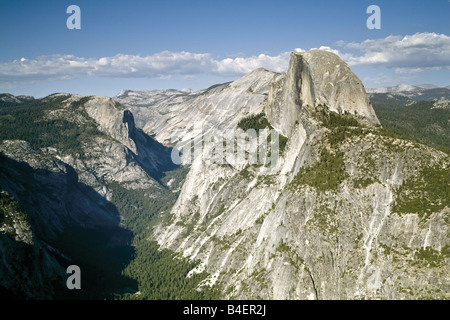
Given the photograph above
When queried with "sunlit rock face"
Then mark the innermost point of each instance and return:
(286, 233)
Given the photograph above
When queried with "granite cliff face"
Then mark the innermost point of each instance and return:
(334, 219)
(317, 78)
(177, 117)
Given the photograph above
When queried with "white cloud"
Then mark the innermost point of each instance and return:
(416, 52)
(160, 65)
(240, 65)
(327, 48)
(406, 55)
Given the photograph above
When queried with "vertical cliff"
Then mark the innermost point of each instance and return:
(317, 78)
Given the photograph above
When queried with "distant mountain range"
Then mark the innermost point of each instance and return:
(405, 88)
(405, 93)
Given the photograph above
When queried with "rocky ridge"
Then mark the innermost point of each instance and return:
(177, 117)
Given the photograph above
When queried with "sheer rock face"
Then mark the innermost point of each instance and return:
(260, 237)
(317, 78)
(218, 108)
(130, 155)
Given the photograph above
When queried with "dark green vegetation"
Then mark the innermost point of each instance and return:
(8, 100)
(282, 142)
(418, 122)
(341, 126)
(256, 122)
(425, 193)
(174, 179)
(362, 183)
(325, 174)
(10, 213)
(139, 207)
(432, 258)
(428, 191)
(331, 119)
(328, 172)
(30, 122)
(161, 274)
(259, 122)
(142, 209)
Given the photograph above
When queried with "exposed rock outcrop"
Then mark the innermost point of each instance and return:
(317, 78)
(218, 108)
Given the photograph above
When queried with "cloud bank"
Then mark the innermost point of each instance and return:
(414, 53)
(161, 65)
(407, 54)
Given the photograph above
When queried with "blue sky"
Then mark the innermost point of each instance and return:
(145, 45)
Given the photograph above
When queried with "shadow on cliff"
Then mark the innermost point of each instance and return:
(71, 224)
(154, 157)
